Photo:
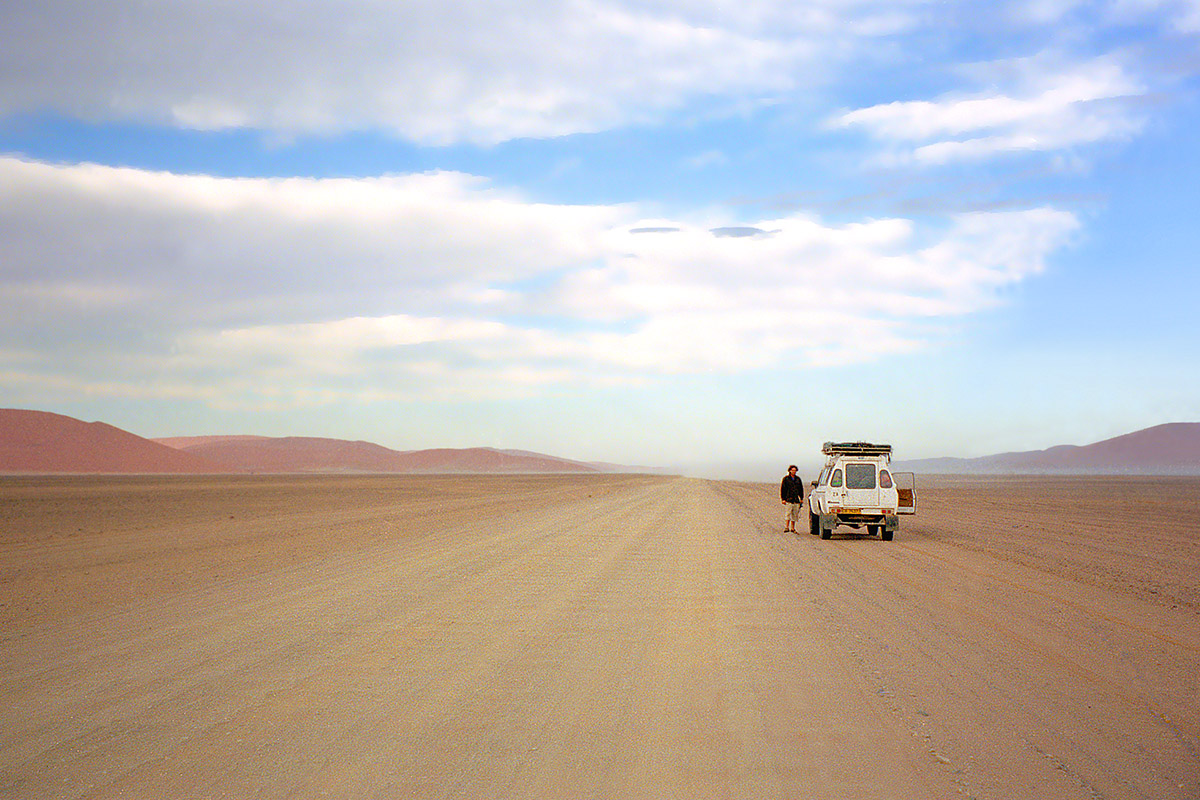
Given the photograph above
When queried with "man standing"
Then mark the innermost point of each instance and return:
(791, 494)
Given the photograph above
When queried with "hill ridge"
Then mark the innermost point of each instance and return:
(1171, 448)
(322, 454)
(33, 441)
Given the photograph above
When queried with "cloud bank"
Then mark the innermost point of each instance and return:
(430, 285)
(1047, 106)
(434, 73)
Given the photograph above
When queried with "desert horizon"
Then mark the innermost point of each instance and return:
(36, 442)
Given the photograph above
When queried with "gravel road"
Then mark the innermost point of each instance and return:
(592, 637)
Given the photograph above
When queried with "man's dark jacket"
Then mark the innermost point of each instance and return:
(792, 489)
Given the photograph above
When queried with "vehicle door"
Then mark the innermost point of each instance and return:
(819, 492)
(906, 493)
(889, 496)
(862, 485)
(835, 492)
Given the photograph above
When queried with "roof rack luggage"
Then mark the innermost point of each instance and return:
(856, 449)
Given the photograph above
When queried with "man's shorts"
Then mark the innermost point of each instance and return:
(793, 511)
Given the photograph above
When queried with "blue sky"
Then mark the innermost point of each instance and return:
(694, 234)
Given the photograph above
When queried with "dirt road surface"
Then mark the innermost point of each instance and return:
(584, 637)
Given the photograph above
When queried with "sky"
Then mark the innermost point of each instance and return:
(696, 234)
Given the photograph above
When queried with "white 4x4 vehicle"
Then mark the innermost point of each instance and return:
(858, 488)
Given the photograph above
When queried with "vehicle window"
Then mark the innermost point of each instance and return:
(824, 476)
(860, 476)
(885, 479)
(836, 479)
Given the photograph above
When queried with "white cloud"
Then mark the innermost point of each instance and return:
(441, 284)
(330, 342)
(1181, 15)
(1042, 12)
(1178, 16)
(74, 294)
(432, 72)
(1046, 108)
(1188, 20)
(807, 294)
(199, 239)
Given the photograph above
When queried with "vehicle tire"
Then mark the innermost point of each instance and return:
(872, 529)
(886, 535)
(826, 533)
(814, 523)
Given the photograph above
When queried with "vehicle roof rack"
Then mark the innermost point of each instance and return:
(856, 449)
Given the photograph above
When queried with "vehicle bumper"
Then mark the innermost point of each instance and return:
(889, 522)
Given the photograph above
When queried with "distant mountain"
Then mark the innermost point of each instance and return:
(1170, 449)
(38, 441)
(313, 454)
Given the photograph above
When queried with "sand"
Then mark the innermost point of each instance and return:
(593, 636)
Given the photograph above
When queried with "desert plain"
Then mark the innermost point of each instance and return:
(576, 636)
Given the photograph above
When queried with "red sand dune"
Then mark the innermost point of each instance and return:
(312, 454)
(187, 442)
(293, 454)
(39, 441)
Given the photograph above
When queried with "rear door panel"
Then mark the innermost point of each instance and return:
(862, 485)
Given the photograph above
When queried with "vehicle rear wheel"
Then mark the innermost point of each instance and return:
(873, 529)
(826, 532)
(886, 535)
(813, 523)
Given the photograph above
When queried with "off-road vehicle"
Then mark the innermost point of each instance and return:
(858, 488)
